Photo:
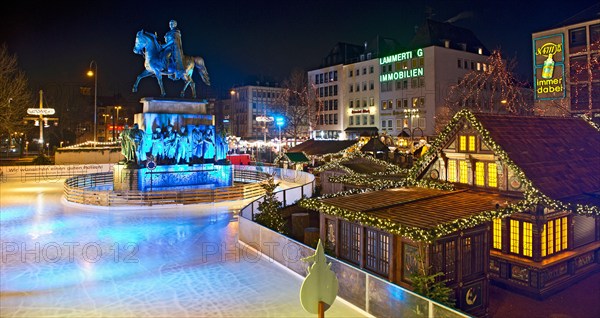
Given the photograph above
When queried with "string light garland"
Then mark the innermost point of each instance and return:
(94, 144)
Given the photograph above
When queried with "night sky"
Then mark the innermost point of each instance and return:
(55, 40)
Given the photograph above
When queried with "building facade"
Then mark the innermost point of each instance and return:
(384, 89)
(250, 107)
(566, 69)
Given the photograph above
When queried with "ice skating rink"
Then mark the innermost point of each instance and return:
(61, 260)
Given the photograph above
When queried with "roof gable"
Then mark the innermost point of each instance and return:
(559, 156)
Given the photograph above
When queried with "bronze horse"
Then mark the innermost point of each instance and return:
(156, 63)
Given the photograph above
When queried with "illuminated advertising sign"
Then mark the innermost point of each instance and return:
(401, 74)
(549, 67)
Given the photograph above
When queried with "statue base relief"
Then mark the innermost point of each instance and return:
(179, 148)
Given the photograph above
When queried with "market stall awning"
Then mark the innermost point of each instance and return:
(296, 157)
(375, 145)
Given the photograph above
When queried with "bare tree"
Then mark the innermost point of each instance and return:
(492, 89)
(299, 105)
(15, 96)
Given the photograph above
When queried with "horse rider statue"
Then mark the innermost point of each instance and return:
(174, 51)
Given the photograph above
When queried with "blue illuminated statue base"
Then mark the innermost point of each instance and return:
(172, 145)
(172, 177)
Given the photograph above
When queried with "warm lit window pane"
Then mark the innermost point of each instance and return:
(527, 239)
(462, 168)
(514, 236)
(544, 241)
(471, 143)
(492, 175)
(479, 174)
(550, 237)
(557, 236)
(452, 170)
(497, 233)
(564, 233)
(463, 143)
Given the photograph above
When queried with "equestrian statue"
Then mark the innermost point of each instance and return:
(168, 59)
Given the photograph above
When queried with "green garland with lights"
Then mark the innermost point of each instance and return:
(589, 120)
(413, 233)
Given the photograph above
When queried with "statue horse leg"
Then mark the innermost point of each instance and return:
(189, 82)
(158, 75)
(144, 74)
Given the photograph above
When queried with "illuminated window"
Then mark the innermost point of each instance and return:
(452, 171)
(479, 174)
(464, 172)
(554, 236)
(492, 175)
(544, 243)
(471, 143)
(463, 143)
(497, 232)
(527, 239)
(550, 237)
(514, 236)
(557, 232)
(564, 233)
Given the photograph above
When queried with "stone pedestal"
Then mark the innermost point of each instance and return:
(300, 221)
(172, 176)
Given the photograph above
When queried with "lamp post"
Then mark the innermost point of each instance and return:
(105, 127)
(117, 119)
(94, 73)
(279, 121)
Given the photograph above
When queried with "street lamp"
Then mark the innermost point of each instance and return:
(94, 73)
(279, 121)
(105, 127)
(115, 126)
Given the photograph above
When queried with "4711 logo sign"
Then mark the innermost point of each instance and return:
(549, 67)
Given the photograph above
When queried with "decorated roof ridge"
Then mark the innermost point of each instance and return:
(531, 193)
(413, 233)
(340, 164)
(435, 195)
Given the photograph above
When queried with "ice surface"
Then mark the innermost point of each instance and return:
(60, 259)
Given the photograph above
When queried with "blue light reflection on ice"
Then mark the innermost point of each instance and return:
(153, 262)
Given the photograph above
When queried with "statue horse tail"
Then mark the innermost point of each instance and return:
(199, 63)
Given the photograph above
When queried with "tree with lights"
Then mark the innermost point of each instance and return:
(15, 96)
(270, 209)
(492, 88)
(298, 105)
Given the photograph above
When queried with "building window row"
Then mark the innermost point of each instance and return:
(486, 173)
(328, 119)
(265, 94)
(364, 71)
(326, 91)
(472, 65)
(366, 120)
(357, 102)
(578, 41)
(357, 86)
(553, 237)
(326, 77)
(330, 104)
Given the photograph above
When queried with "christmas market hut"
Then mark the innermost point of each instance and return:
(553, 165)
